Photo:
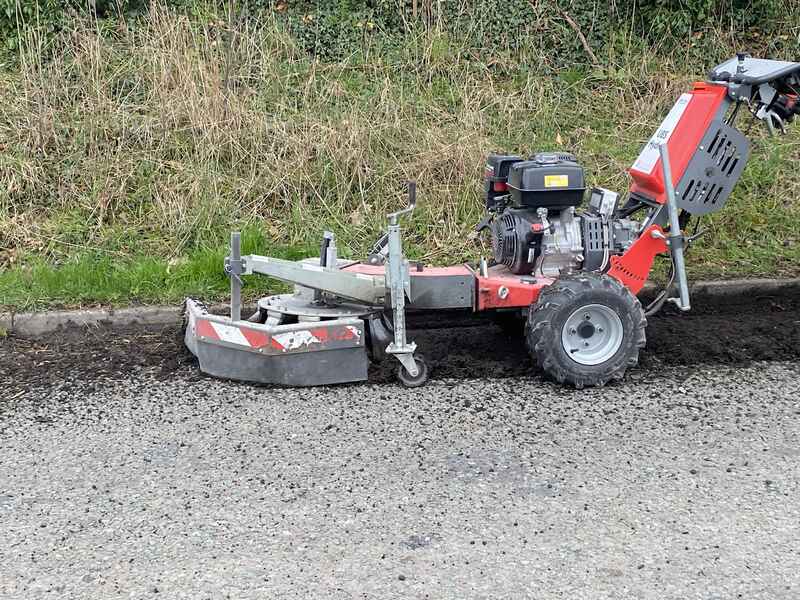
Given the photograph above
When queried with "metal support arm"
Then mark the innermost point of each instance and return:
(233, 268)
(369, 289)
(676, 241)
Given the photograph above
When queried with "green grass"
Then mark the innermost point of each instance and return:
(128, 155)
(101, 278)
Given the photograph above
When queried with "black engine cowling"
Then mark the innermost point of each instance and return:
(548, 180)
(514, 242)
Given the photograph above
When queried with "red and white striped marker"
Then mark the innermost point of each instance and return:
(283, 342)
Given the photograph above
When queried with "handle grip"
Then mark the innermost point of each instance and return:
(412, 203)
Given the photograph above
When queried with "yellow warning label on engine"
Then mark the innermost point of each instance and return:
(551, 181)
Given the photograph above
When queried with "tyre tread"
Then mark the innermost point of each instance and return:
(544, 342)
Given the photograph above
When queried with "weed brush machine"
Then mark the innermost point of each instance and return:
(568, 279)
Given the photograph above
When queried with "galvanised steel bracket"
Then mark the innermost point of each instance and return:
(675, 241)
(399, 285)
(234, 269)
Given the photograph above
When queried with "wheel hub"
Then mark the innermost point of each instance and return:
(586, 330)
(592, 334)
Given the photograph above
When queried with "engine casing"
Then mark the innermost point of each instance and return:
(512, 237)
(551, 243)
(536, 228)
(527, 240)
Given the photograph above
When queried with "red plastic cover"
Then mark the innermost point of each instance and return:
(683, 128)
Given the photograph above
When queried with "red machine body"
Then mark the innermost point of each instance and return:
(633, 268)
(499, 289)
(682, 129)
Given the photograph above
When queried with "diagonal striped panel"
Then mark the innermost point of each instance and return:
(256, 339)
(230, 334)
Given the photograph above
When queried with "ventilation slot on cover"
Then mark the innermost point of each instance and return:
(594, 230)
(714, 169)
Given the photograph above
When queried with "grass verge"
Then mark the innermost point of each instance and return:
(129, 153)
(92, 278)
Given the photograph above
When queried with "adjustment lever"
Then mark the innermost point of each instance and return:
(692, 238)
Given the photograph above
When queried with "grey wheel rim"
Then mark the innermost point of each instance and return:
(592, 334)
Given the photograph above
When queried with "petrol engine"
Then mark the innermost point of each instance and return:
(536, 229)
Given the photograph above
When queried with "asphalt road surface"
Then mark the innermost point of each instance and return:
(125, 473)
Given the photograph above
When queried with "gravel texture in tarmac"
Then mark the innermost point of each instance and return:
(125, 473)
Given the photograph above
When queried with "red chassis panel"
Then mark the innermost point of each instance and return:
(632, 268)
(500, 289)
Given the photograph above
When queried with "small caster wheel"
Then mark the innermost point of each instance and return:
(421, 377)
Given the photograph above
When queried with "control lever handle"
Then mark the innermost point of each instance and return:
(412, 203)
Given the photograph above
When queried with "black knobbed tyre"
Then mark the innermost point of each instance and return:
(586, 330)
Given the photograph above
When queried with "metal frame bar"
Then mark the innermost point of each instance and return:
(233, 267)
(370, 289)
(676, 241)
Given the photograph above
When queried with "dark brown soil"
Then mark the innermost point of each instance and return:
(756, 329)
